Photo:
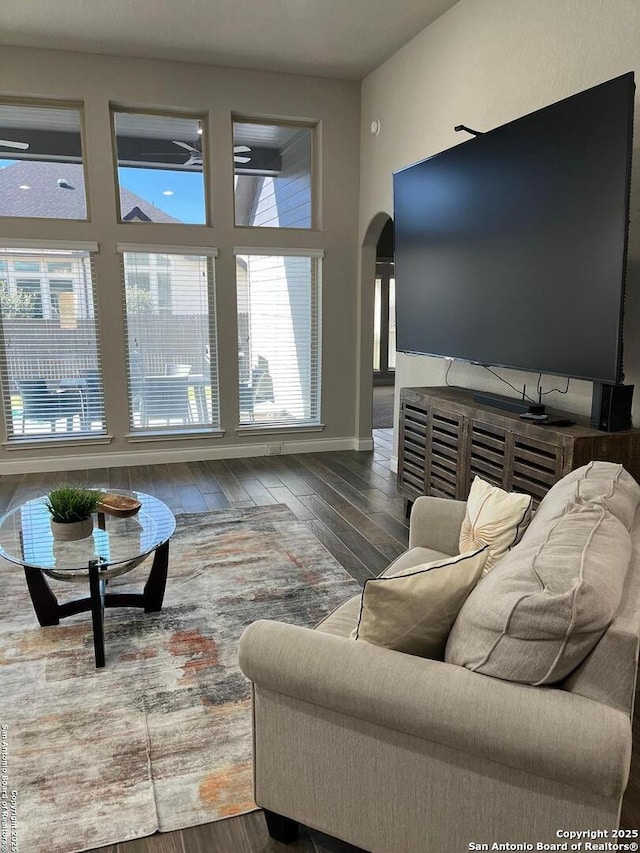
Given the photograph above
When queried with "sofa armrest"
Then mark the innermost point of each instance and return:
(435, 523)
(543, 731)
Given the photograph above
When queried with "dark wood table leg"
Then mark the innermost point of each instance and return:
(157, 581)
(44, 601)
(96, 588)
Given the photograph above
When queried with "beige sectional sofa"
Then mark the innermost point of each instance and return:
(400, 754)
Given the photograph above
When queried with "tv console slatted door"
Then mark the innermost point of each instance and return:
(431, 448)
(446, 439)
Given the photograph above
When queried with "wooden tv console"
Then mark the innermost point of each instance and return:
(445, 439)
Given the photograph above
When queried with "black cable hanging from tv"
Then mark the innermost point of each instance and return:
(470, 130)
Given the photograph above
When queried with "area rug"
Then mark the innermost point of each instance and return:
(159, 739)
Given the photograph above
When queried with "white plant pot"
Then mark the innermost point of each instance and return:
(68, 531)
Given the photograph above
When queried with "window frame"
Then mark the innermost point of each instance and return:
(11, 441)
(315, 370)
(55, 104)
(203, 118)
(136, 434)
(302, 124)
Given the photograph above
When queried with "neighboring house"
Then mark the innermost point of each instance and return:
(46, 278)
(55, 190)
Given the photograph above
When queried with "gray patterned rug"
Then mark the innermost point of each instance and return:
(161, 738)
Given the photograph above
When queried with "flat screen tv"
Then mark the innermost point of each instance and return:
(511, 247)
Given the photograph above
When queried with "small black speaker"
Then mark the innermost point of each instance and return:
(611, 406)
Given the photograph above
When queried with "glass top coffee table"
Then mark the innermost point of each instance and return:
(116, 546)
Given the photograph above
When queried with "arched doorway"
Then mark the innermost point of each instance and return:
(367, 275)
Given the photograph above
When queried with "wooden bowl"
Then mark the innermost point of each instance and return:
(121, 506)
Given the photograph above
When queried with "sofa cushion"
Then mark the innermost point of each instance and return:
(494, 518)
(414, 557)
(539, 613)
(605, 484)
(342, 621)
(413, 610)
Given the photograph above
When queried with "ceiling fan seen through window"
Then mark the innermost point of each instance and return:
(21, 146)
(195, 154)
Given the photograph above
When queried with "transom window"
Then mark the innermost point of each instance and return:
(171, 340)
(41, 171)
(273, 174)
(160, 167)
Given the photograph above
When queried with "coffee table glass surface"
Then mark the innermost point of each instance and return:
(116, 545)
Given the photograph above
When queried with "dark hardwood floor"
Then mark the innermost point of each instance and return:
(349, 500)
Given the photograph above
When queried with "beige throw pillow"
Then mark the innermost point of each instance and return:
(604, 484)
(413, 610)
(539, 613)
(494, 519)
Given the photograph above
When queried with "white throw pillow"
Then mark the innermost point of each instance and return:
(413, 610)
(495, 519)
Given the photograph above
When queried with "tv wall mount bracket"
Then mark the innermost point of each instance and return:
(460, 127)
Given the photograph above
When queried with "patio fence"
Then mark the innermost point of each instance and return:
(37, 349)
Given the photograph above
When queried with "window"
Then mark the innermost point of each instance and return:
(61, 295)
(171, 341)
(41, 171)
(164, 291)
(384, 322)
(160, 168)
(392, 324)
(273, 174)
(141, 280)
(278, 297)
(56, 267)
(50, 367)
(30, 287)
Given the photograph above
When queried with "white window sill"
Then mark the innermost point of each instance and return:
(173, 435)
(32, 443)
(262, 429)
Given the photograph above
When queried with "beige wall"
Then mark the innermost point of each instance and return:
(484, 63)
(99, 80)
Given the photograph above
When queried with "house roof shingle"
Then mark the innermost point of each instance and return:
(47, 198)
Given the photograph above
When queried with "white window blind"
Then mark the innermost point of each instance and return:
(377, 321)
(50, 365)
(171, 338)
(279, 337)
(392, 323)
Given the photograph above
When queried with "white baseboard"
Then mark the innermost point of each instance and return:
(183, 454)
(363, 444)
(393, 464)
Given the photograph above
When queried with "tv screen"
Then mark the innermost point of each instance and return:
(511, 247)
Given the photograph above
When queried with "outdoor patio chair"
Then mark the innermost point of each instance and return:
(41, 404)
(165, 398)
(92, 397)
(259, 391)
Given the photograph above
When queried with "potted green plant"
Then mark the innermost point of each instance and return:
(71, 507)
